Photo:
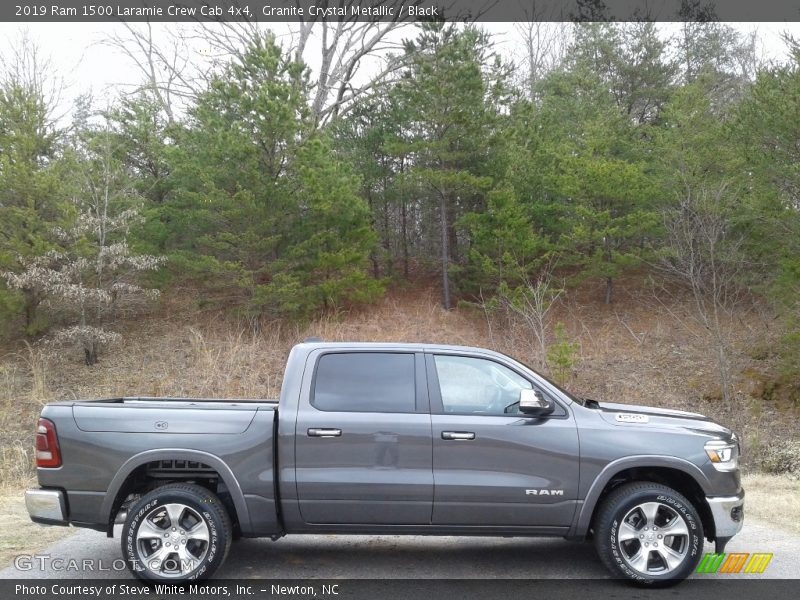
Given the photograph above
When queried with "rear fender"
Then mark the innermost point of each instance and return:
(225, 473)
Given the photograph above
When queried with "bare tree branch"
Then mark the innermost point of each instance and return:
(705, 254)
(338, 61)
(165, 68)
(546, 45)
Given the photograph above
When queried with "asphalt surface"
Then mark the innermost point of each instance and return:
(378, 557)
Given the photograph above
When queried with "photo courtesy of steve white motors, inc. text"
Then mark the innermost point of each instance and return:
(158, 590)
(226, 10)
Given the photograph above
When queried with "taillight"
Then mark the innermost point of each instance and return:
(47, 453)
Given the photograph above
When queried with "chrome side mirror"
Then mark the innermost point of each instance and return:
(533, 402)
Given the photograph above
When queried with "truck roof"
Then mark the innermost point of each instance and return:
(417, 347)
(305, 348)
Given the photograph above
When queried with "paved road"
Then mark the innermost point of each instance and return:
(417, 557)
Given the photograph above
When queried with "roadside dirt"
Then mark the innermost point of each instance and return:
(18, 534)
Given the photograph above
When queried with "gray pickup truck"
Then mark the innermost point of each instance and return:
(390, 439)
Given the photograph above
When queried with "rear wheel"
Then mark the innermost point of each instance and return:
(176, 532)
(649, 533)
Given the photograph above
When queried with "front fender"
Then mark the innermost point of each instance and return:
(583, 516)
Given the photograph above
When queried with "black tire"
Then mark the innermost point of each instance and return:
(207, 554)
(618, 554)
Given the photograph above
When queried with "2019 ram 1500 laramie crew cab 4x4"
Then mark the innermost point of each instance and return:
(390, 439)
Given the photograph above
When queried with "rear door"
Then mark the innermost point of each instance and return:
(363, 440)
(492, 465)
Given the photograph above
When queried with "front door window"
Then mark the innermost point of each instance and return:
(478, 386)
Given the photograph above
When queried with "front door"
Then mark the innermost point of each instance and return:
(493, 465)
(363, 441)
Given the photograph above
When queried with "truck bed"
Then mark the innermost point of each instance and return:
(105, 442)
(167, 415)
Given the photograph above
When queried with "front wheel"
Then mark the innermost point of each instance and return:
(648, 533)
(177, 532)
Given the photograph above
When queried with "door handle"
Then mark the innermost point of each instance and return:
(321, 432)
(458, 435)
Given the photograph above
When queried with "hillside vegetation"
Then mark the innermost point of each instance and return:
(632, 355)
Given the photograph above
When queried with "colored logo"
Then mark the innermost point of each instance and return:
(735, 562)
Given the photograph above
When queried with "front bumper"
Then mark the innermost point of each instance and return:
(728, 514)
(46, 506)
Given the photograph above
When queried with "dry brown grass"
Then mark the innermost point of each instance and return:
(774, 499)
(22, 394)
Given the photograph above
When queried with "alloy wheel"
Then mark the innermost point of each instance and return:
(653, 538)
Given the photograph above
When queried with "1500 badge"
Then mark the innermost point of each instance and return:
(632, 418)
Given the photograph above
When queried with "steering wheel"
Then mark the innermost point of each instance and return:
(502, 380)
(500, 398)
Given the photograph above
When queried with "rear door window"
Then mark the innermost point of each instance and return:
(365, 382)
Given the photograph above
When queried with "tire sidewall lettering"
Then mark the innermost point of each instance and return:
(683, 509)
(130, 535)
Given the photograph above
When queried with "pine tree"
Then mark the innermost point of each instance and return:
(450, 95)
(598, 174)
(248, 215)
(31, 196)
(92, 277)
(766, 128)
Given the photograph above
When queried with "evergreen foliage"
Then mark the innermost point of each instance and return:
(443, 169)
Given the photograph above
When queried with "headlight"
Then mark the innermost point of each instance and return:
(723, 455)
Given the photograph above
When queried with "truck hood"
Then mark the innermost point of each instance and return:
(632, 415)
